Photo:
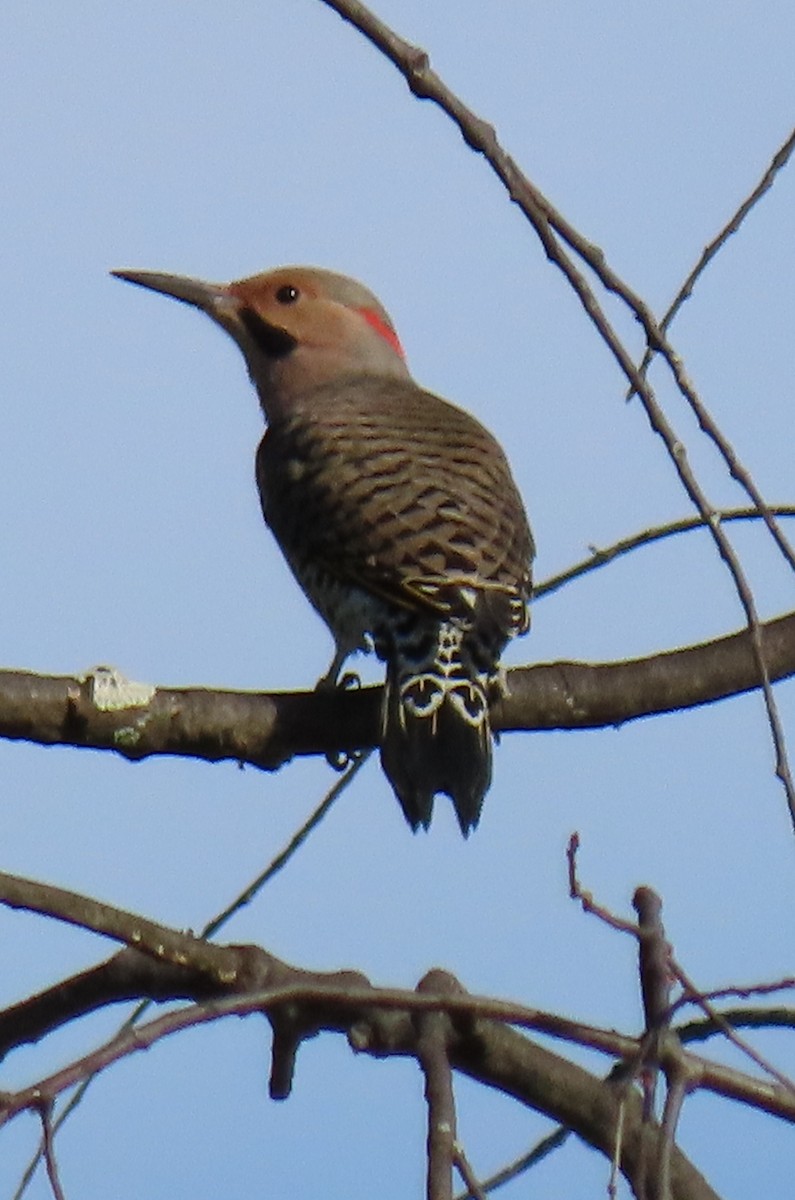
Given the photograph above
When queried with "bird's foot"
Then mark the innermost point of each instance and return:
(340, 760)
(349, 682)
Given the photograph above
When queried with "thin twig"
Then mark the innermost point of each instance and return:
(705, 420)
(698, 998)
(283, 857)
(475, 1189)
(678, 1087)
(750, 989)
(587, 902)
(599, 556)
(539, 1152)
(777, 163)
(615, 1165)
(49, 1152)
(738, 1018)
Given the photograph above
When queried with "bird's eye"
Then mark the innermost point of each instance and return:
(287, 294)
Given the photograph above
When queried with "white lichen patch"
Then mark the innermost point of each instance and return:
(112, 691)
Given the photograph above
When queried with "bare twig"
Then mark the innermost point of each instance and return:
(697, 997)
(539, 1152)
(49, 1152)
(587, 902)
(615, 1160)
(738, 1018)
(599, 556)
(778, 162)
(678, 1088)
(283, 857)
(744, 990)
(475, 1190)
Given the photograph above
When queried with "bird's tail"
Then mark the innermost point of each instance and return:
(435, 730)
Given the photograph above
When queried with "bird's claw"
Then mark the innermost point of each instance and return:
(340, 760)
(348, 682)
(337, 759)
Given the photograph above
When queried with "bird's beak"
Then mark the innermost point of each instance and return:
(226, 307)
(213, 298)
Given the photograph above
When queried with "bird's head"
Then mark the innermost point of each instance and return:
(298, 327)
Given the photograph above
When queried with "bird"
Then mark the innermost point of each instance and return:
(396, 511)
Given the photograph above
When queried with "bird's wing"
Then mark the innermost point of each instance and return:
(397, 492)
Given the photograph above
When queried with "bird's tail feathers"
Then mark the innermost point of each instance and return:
(435, 732)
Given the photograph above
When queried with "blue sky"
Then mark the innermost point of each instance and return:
(218, 140)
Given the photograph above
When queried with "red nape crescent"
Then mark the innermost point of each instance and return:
(380, 326)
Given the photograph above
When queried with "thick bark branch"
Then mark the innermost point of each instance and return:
(159, 963)
(267, 729)
(300, 1003)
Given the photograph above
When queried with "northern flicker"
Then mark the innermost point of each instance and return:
(395, 510)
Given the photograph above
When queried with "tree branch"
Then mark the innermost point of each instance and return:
(298, 1003)
(267, 729)
(383, 1023)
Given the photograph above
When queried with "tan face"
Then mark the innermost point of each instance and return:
(318, 309)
